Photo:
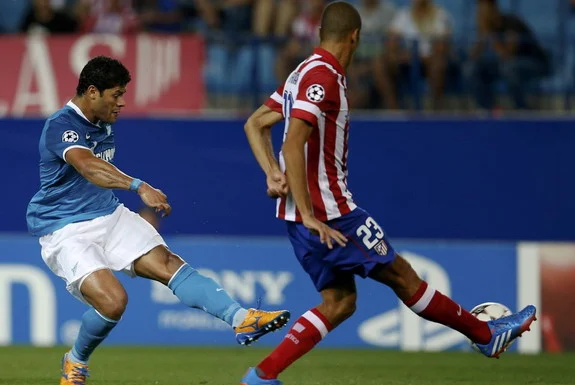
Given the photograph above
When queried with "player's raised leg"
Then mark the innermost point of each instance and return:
(491, 337)
(338, 304)
(105, 293)
(201, 292)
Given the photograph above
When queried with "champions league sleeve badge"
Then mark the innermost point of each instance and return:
(70, 136)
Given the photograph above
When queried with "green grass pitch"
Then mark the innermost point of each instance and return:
(225, 366)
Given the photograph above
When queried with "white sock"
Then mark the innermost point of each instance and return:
(239, 317)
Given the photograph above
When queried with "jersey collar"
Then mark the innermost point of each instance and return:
(77, 109)
(330, 59)
(79, 112)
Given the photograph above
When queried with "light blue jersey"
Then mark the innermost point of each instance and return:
(65, 196)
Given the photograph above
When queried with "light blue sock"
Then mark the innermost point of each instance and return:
(201, 292)
(95, 328)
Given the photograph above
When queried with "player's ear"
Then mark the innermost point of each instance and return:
(355, 36)
(92, 92)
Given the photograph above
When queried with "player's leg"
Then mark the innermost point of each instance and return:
(192, 288)
(383, 264)
(75, 254)
(338, 304)
(428, 302)
(108, 298)
(201, 292)
(102, 290)
(330, 271)
(135, 247)
(491, 337)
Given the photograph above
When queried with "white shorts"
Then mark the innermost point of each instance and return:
(111, 242)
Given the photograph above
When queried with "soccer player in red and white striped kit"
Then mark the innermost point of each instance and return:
(332, 237)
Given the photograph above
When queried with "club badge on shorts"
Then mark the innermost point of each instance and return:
(381, 248)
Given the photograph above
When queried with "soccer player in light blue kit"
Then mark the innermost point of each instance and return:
(86, 234)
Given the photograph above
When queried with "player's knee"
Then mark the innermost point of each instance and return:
(347, 309)
(343, 308)
(398, 275)
(174, 261)
(113, 305)
(404, 280)
(408, 275)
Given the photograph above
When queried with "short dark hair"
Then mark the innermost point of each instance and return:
(103, 73)
(492, 2)
(338, 20)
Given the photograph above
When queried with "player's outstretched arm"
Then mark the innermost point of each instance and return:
(96, 170)
(293, 151)
(258, 130)
(106, 175)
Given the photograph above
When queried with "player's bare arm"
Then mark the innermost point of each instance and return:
(106, 175)
(258, 130)
(293, 151)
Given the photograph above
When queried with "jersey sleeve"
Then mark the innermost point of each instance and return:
(62, 136)
(275, 101)
(318, 93)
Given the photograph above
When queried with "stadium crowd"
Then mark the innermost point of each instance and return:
(408, 46)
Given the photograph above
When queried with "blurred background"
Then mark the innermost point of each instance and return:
(462, 148)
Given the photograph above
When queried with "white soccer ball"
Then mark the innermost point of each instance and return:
(489, 311)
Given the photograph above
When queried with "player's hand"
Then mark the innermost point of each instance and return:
(277, 184)
(326, 234)
(155, 199)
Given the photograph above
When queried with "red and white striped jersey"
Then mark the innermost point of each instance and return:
(316, 92)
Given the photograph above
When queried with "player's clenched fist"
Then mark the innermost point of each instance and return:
(277, 184)
(155, 199)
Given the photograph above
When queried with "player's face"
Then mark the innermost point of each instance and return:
(108, 105)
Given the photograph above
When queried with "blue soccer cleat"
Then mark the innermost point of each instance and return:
(505, 330)
(252, 378)
(259, 323)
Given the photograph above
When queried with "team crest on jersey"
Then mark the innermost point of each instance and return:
(70, 136)
(315, 93)
(381, 248)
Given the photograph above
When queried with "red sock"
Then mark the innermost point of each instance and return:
(308, 330)
(434, 306)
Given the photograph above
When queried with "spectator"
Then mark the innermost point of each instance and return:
(186, 15)
(430, 26)
(161, 15)
(229, 16)
(43, 17)
(230, 55)
(275, 17)
(108, 16)
(376, 16)
(59, 5)
(304, 36)
(508, 50)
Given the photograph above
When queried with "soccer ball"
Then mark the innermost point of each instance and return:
(489, 311)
